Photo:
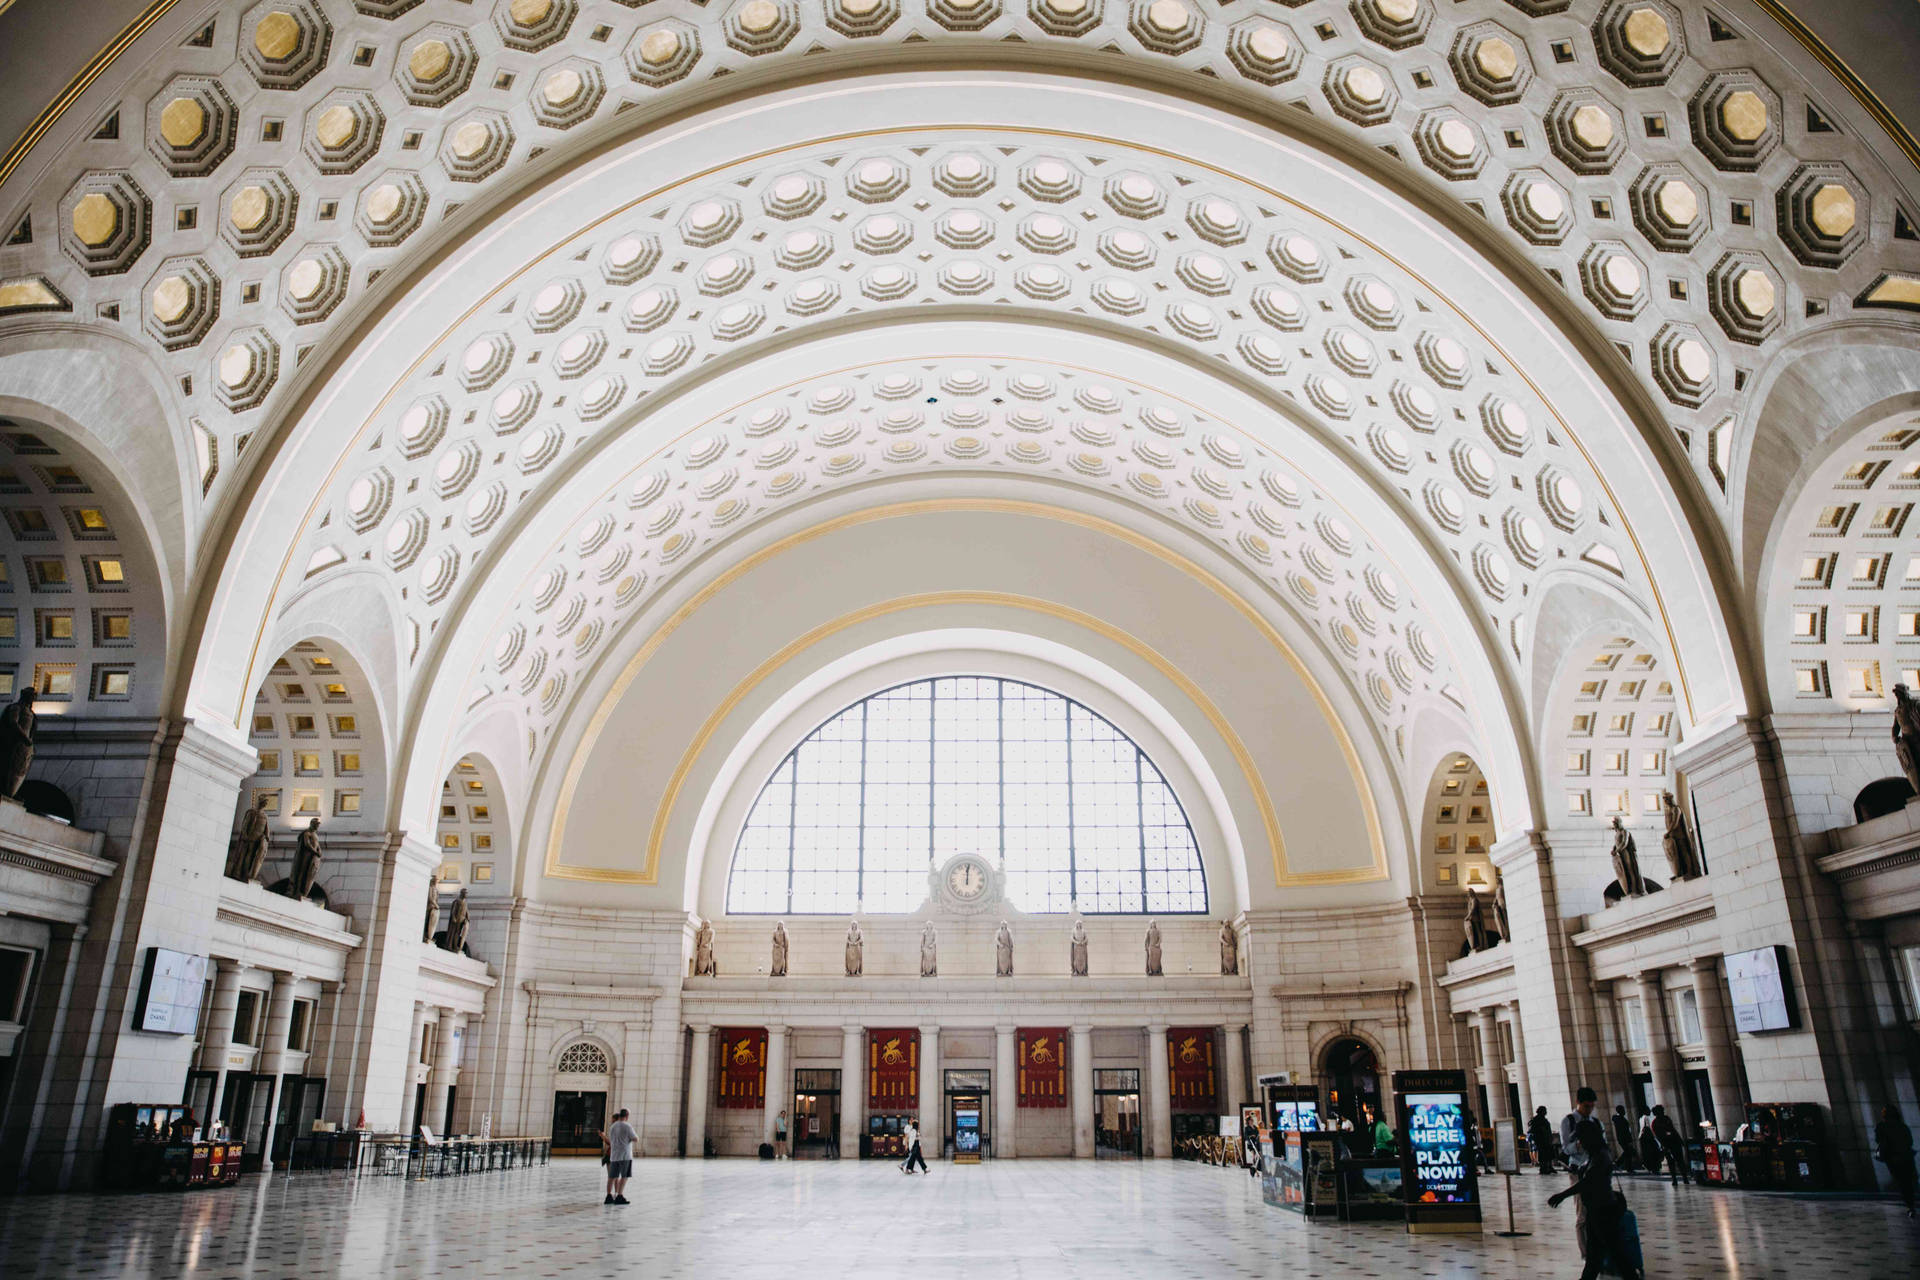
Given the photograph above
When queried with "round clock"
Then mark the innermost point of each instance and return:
(968, 879)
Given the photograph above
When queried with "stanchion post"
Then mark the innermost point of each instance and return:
(1506, 1157)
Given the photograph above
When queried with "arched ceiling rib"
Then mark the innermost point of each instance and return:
(244, 189)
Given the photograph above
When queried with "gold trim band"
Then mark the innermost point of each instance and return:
(79, 85)
(1284, 876)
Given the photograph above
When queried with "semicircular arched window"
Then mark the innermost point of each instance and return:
(1067, 805)
(583, 1059)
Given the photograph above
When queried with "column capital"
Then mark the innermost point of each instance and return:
(776, 1028)
(929, 1029)
(1083, 1028)
(1233, 1028)
(852, 1029)
(1651, 977)
(1705, 966)
(1158, 1028)
(1004, 1028)
(700, 1028)
(1522, 849)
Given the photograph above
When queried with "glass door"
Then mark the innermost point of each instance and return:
(578, 1118)
(1116, 1114)
(967, 1090)
(816, 1114)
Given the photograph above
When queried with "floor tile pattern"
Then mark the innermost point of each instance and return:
(1017, 1220)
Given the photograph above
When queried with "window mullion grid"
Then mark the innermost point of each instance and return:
(1000, 749)
(793, 804)
(1073, 851)
(1140, 822)
(860, 855)
(933, 738)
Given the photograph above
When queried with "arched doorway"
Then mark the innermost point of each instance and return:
(580, 1083)
(1352, 1075)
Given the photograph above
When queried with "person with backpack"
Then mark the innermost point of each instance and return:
(1667, 1134)
(617, 1151)
(1613, 1236)
(1540, 1134)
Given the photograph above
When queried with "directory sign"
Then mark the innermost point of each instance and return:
(1757, 983)
(1437, 1151)
(966, 1131)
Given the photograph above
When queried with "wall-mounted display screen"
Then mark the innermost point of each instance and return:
(171, 988)
(1757, 985)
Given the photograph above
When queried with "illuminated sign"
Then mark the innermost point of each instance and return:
(1437, 1143)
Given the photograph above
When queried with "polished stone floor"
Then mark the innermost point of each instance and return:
(742, 1220)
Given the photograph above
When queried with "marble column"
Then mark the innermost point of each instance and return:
(409, 1122)
(273, 1055)
(1723, 1075)
(1520, 1065)
(699, 1090)
(853, 1090)
(1490, 1074)
(1081, 1066)
(1235, 1093)
(1666, 1080)
(446, 1070)
(779, 1084)
(213, 1051)
(932, 1097)
(1159, 1103)
(1006, 1091)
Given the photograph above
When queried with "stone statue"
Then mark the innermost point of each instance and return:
(1077, 949)
(856, 950)
(1153, 949)
(779, 967)
(1229, 950)
(929, 952)
(1906, 734)
(433, 909)
(16, 743)
(703, 962)
(1476, 924)
(306, 862)
(249, 844)
(1500, 919)
(1683, 860)
(1626, 862)
(459, 925)
(1003, 950)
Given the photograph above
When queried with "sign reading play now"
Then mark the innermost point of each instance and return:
(1437, 1132)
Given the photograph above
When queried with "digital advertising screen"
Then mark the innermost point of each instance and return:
(1757, 986)
(966, 1132)
(1437, 1149)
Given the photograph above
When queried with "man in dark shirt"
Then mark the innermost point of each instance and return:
(1895, 1141)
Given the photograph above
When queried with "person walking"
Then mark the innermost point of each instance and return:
(1623, 1138)
(1604, 1207)
(913, 1150)
(618, 1139)
(1667, 1134)
(1583, 1104)
(1540, 1134)
(1895, 1141)
(1649, 1144)
(780, 1135)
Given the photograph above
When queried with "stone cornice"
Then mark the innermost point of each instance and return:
(1717, 748)
(51, 848)
(1363, 991)
(463, 971)
(251, 906)
(1491, 963)
(1686, 903)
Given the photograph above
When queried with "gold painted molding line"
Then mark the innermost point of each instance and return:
(1848, 78)
(1284, 875)
(79, 84)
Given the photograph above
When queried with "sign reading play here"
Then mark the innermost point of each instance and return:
(1437, 1137)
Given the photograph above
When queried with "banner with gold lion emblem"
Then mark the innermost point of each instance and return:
(743, 1068)
(893, 1069)
(1043, 1066)
(1190, 1058)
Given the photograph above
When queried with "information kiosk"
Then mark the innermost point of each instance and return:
(1442, 1193)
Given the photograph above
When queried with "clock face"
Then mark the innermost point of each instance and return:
(967, 880)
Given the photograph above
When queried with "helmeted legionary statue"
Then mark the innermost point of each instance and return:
(1906, 734)
(1626, 862)
(1229, 950)
(778, 969)
(703, 961)
(306, 862)
(856, 950)
(459, 925)
(249, 844)
(1683, 860)
(1475, 924)
(929, 952)
(1077, 949)
(1153, 948)
(433, 910)
(16, 743)
(1003, 950)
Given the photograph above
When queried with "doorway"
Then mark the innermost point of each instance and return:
(1352, 1074)
(578, 1118)
(1116, 1113)
(816, 1113)
(969, 1114)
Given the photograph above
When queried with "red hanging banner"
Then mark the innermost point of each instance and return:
(743, 1068)
(1190, 1063)
(1043, 1066)
(893, 1069)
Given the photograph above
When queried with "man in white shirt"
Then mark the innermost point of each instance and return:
(913, 1150)
(1577, 1157)
(619, 1138)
